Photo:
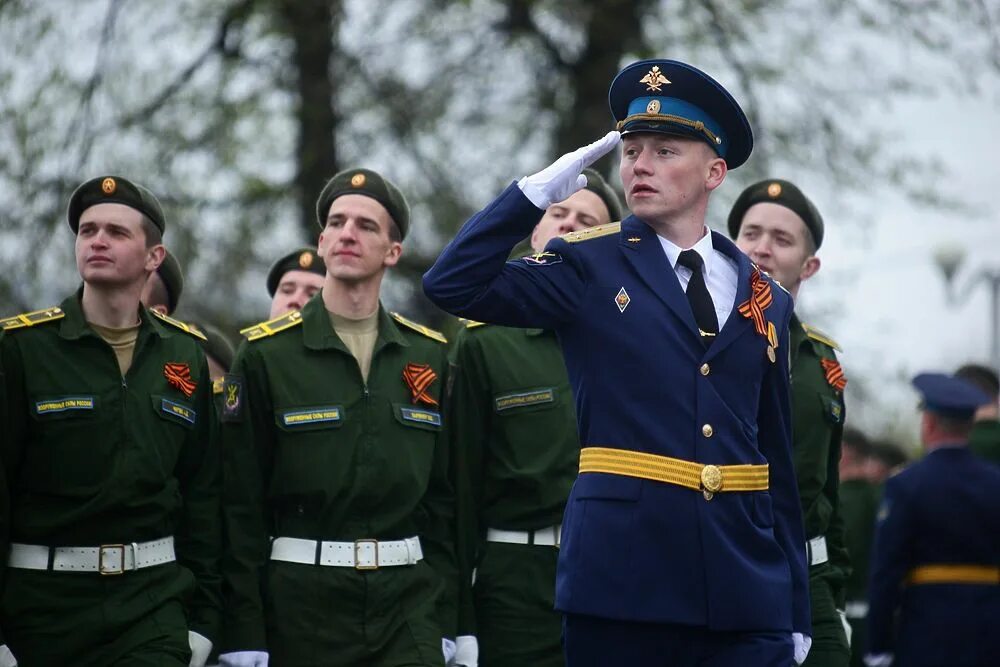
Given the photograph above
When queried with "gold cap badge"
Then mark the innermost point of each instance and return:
(305, 260)
(357, 180)
(654, 79)
(653, 106)
(108, 186)
(774, 190)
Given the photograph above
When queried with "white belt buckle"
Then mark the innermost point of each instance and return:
(366, 550)
(106, 555)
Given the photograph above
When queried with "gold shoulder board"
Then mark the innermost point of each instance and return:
(816, 334)
(32, 318)
(471, 324)
(430, 333)
(271, 327)
(177, 323)
(592, 232)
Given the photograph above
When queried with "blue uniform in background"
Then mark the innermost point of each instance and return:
(937, 563)
(635, 549)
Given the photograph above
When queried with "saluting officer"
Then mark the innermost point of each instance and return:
(514, 426)
(935, 573)
(682, 540)
(339, 506)
(110, 449)
(780, 229)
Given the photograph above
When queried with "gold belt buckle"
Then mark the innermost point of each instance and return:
(711, 481)
(357, 552)
(121, 562)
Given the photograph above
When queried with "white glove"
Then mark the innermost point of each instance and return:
(201, 648)
(7, 658)
(243, 659)
(563, 177)
(878, 659)
(848, 630)
(802, 644)
(467, 654)
(448, 648)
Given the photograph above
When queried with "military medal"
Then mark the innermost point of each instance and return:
(179, 377)
(754, 307)
(418, 377)
(622, 300)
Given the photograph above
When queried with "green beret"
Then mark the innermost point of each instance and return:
(777, 191)
(114, 190)
(365, 182)
(173, 279)
(303, 259)
(599, 187)
(215, 345)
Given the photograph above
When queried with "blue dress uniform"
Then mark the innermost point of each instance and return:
(669, 427)
(935, 576)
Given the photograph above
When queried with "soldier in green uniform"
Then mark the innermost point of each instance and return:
(781, 230)
(111, 457)
(860, 496)
(984, 440)
(293, 279)
(163, 288)
(339, 504)
(514, 428)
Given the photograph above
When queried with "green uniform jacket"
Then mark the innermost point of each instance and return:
(96, 458)
(314, 452)
(817, 425)
(514, 427)
(985, 439)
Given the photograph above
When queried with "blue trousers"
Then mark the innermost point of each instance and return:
(590, 641)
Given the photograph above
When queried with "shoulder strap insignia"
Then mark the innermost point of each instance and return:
(471, 324)
(271, 327)
(816, 334)
(592, 232)
(217, 384)
(430, 333)
(177, 323)
(32, 318)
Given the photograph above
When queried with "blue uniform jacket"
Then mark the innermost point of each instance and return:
(635, 549)
(942, 510)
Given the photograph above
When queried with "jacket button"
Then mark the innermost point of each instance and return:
(705, 370)
(707, 431)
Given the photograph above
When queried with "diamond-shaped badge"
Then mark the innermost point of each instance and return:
(622, 300)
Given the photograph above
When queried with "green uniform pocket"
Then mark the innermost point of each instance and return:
(833, 408)
(174, 411)
(421, 418)
(69, 452)
(525, 400)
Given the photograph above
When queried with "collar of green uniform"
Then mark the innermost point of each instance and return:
(318, 333)
(74, 324)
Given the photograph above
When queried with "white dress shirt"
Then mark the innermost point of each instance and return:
(720, 273)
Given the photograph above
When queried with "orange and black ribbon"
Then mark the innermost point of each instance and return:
(418, 378)
(759, 300)
(834, 373)
(179, 376)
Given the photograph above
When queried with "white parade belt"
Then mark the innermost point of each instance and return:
(359, 554)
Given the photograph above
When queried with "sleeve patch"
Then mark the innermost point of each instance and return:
(232, 398)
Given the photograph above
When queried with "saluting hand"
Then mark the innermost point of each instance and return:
(563, 177)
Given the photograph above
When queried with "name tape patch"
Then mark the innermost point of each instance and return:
(64, 404)
(178, 410)
(311, 416)
(522, 399)
(421, 416)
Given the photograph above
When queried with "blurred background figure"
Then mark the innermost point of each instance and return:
(294, 279)
(985, 437)
(162, 291)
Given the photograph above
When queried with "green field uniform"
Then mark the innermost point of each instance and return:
(984, 440)
(817, 425)
(859, 501)
(514, 427)
(94, 458)
(315, 452)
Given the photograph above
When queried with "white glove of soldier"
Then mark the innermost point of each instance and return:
(243, 659)
(201, 648)
(848, 630)
(448, 648)
(7, 658)
(467, 653)
(802, 643)
(878, 659)
(563, 177)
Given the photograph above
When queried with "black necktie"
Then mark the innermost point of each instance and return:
(698, 296)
